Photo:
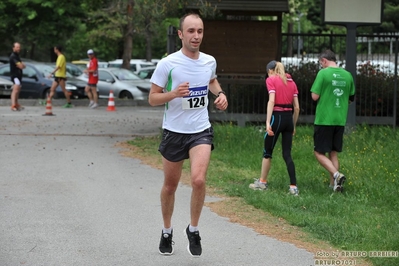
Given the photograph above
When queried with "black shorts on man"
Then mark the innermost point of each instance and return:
(328, 138)
(58, 79)
(175, 147)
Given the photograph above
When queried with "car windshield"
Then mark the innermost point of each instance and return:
(45, 70)
(123, 74)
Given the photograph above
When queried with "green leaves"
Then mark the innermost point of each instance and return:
(32, 15)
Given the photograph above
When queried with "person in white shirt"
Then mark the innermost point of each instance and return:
(181, 82)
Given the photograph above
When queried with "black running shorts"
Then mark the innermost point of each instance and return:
(328, 138)
(58, 79)
(175, 147)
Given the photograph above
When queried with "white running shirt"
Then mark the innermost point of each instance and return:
(189, 114)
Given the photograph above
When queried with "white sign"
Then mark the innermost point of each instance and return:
(352, 11)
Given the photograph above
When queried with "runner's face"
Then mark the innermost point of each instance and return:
(192, 33)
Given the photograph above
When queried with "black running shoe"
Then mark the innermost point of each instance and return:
(194, 243)
(166, 244)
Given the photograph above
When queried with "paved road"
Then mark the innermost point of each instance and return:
(68, 197)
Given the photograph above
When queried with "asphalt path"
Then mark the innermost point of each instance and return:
(68, 197)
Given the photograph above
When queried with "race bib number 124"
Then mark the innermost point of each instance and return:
(197, 99)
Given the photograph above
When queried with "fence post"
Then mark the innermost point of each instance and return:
(351, 67)
(395, 88)
(171, 43)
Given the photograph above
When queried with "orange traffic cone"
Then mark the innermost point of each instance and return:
(111, 103)
(48, 107)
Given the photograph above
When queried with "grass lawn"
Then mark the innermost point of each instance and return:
(365, 217)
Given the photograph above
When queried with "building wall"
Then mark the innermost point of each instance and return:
(243, 5)
(242, 47)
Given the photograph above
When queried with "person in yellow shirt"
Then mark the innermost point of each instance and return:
(60, 76)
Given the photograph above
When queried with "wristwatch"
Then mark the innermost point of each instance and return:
(221, 92)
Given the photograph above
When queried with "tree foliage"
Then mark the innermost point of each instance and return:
(107, 25)
(390, 18)
(39, 23)
(121, 21)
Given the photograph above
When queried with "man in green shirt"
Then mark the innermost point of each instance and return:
(333, 89)
(60, 76)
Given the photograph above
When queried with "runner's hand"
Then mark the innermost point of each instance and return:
(182, 90)
(269, 130)
(221, 102)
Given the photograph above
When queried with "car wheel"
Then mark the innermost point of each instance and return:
(46, 92)
(55, 96)
(125, 95)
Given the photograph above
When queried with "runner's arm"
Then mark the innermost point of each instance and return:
(221, 100)
(158, 96)
(315, 96)
(296, 112)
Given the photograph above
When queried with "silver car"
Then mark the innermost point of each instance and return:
(124, 84)
(5, 87)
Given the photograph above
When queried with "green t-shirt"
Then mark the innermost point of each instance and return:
(334, 85)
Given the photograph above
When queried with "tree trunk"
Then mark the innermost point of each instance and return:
(53, 56)
(127, 49)
(148, 40)
(32, 50)
(128, 37)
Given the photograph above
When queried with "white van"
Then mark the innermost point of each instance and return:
(135, 64)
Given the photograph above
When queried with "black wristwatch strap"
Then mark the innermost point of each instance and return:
(221, 92)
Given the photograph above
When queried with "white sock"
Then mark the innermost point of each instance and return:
(192, 229)
(167, 230)
(336, 175)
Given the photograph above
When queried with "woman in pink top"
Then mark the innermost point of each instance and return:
(282, 115)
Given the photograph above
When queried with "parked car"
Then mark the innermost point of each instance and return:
(74, 70)
(83, 63)
(154, 61)
(5, 87)
(76, 82)
(146, 72)
(135, 64)
(36, 84)
(6, 59)
(123, 83)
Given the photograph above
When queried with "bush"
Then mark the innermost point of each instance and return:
(374, 91)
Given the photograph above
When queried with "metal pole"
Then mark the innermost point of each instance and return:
(395, 86)
(299, 37)
(351, 67)
(299, 34)
(171, 43)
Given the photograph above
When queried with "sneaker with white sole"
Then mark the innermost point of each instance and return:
(166, 244)
(339, 182)
(194, 242)
(257, 185)
(294, 191)
(90, 104)
(94, 106)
